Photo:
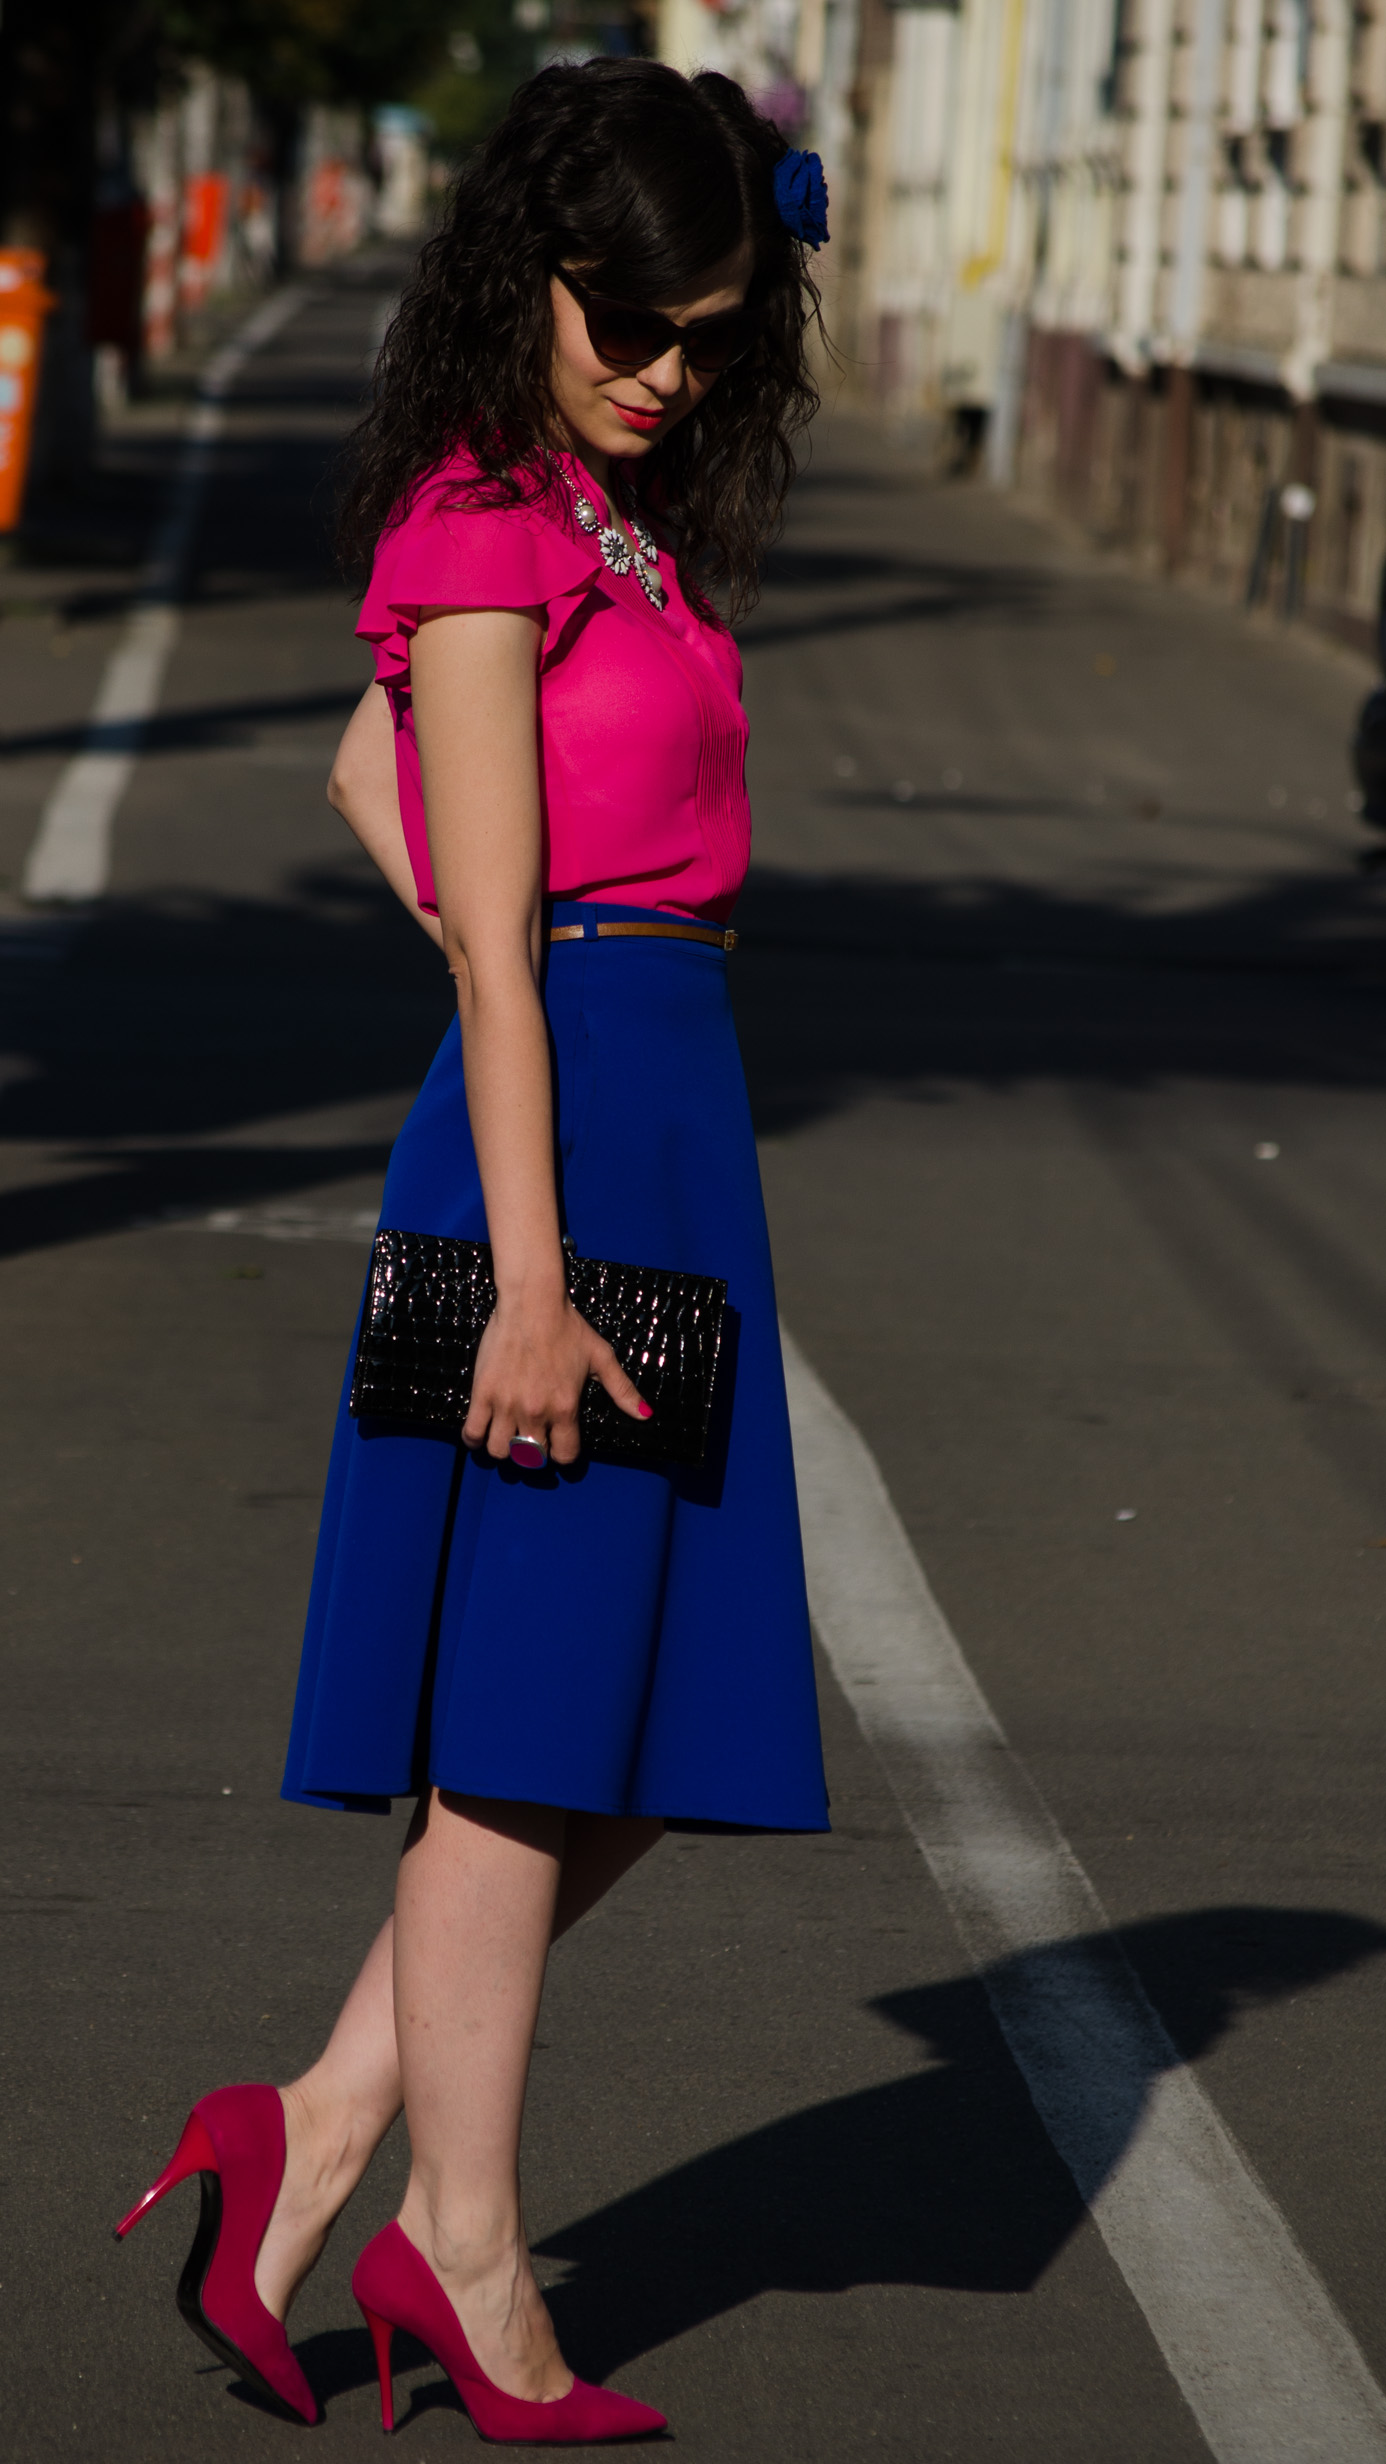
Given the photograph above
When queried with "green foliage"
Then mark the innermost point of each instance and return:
(465, 102)
(457, 60)
(295, 51)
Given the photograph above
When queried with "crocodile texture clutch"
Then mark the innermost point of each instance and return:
(427, 1304)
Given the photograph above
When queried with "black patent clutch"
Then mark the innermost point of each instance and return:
(427, 1304)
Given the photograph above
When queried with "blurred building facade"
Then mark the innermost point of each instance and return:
(1127, 255)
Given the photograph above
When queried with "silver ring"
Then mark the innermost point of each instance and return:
(530, 1453)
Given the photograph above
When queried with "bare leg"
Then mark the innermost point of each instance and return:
(474, 1913)
(336, 2115)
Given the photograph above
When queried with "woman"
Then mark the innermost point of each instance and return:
(582, 418)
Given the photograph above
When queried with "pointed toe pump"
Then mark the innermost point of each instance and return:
(397, 2288)
(234, 2140)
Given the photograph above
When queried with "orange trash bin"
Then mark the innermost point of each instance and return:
(206, 205)
(24, 304)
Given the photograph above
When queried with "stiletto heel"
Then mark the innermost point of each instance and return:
(234, 2141)
(382, 2337)
(193, 2154)
(396, 2287)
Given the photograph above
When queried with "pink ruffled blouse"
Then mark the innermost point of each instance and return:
(642, 737)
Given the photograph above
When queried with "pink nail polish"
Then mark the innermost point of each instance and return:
(647, 1411)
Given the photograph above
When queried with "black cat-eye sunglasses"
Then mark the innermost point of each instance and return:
(630, 338)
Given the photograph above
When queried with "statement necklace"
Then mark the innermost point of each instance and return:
(617, 553)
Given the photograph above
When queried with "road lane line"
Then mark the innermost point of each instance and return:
(1267, 2366)
(70, 858)
(290, 1221)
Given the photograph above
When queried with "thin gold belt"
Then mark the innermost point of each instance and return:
(716, 936)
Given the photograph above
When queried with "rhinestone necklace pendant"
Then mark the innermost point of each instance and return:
(646, 556)
(618, 555)
(649, 582)
(616, 549)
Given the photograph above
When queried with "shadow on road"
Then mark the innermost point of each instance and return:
(185, 730)
(944, 2178)
(896, 590)
(848, 986)
(174, 1021)
(1300, 923)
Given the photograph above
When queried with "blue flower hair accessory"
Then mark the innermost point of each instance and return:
(801, 196)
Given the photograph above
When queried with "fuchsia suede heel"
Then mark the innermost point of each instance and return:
(234, 2139)
(396, 2287)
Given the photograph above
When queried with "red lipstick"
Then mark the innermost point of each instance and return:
(641, 421)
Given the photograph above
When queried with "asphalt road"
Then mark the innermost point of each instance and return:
(1056, 918)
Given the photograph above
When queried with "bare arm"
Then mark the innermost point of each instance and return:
(474, 712)
(363, 788)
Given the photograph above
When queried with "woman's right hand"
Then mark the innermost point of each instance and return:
(534, 1360)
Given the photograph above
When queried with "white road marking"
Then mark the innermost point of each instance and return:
(70, 859)
(289, 1222)
(1269, 2370)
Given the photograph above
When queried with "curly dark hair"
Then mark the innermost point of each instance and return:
(644, 181)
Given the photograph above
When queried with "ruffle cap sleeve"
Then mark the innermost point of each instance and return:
(445, 555)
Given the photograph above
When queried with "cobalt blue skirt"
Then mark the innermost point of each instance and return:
(624, 1640)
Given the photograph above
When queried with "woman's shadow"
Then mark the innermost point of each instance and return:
(945, 2177)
